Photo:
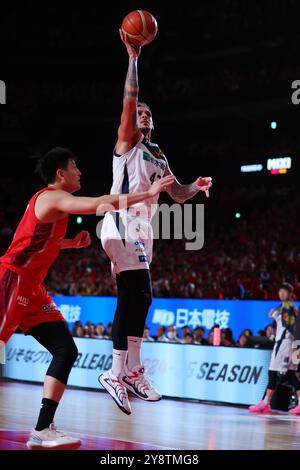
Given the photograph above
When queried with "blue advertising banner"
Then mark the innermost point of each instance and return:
(235, 314)
(228, 375)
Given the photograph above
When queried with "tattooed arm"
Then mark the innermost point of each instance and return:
(128, 132)
(182, 192)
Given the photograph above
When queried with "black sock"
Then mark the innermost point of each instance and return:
(47, 413)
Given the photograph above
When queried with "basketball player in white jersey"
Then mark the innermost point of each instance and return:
(127, 239)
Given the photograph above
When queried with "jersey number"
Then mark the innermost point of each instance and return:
(152, 177)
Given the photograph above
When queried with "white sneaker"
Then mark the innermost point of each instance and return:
(117, 391)
(137, 382)
(51, 438)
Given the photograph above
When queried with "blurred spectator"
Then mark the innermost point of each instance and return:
(79, 331)
(242, 341)
(188, 338)
(199, 335)
(100, 331)
(247, 332)
(75, 326)
(184, 330)
(161, 334)
(227, 337)
(109, 330)
(146, 336)
(261, 333)
(210, 339)
(270, 332)
(172, 334)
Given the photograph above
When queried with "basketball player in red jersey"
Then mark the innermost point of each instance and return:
(24, 300)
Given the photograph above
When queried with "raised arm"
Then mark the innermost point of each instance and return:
(182, 192)
(50, 203)
(128, 132)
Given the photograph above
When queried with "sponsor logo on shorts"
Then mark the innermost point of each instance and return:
(50, 308)
(24, 301)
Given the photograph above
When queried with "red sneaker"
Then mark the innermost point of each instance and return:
(261, 407)
(295, 411)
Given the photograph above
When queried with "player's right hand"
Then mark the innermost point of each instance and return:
(271, 312)
(133, 50)
(161, 185)
(82, 239)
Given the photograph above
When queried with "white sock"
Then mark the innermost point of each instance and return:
(134, 351)
(119, 359)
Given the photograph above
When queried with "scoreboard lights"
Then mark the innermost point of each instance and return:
(279, 165)
(251, 168)
(275, 166)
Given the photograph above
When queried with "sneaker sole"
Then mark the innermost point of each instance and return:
(72, 446)
(260, 412)
(104, 385)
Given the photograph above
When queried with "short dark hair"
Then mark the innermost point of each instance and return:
(56, 158)
(287, 286)
(189, 335)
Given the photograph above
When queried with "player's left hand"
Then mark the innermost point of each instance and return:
(204, 183)
(82, 239)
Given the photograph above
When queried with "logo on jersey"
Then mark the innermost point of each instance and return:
(143, 259)
(24, 301)
(149, 158)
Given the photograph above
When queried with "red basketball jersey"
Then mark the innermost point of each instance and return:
(35, 245)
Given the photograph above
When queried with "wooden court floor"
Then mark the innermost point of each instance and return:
(168, 424)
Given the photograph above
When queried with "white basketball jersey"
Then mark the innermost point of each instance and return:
(136, 170)
(127, 235)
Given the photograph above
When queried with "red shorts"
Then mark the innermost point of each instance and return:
(23, 303)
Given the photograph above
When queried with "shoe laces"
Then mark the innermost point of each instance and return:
(54, 429)
(142, 379)
(121, 390)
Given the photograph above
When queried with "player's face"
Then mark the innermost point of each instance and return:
(283, 295)
(72, 177)
(145, 122)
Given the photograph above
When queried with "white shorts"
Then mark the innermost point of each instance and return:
(282, 361)
(127, 241)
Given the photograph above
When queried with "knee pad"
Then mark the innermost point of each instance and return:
(62, 362)
(143, 298)
(71, 353)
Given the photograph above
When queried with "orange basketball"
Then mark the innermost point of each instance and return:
(140, 26)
